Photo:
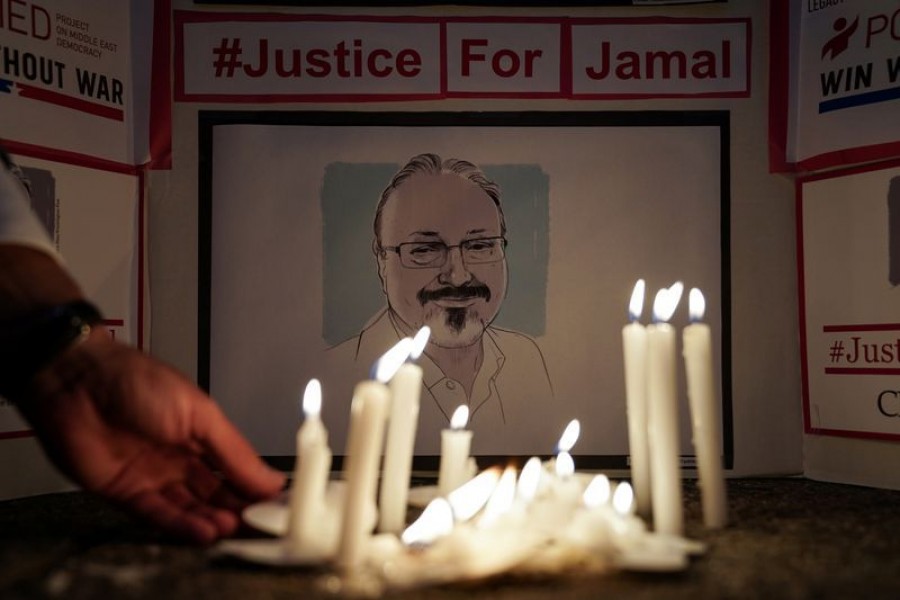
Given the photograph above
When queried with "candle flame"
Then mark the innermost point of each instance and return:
(565, 466)
(419, 342)
(502, 498)
(386, 366)
(460, 417)
(529, 479)
(696, 305)
(623, 498)
(570, 436)
(312, 398)
(470, 497)
(597, 491)
(676, 289)
(636, 305)
(666, 302)
(435, 521)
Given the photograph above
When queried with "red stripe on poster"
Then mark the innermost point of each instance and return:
(42, 95)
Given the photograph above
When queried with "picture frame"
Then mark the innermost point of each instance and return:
(626, 194)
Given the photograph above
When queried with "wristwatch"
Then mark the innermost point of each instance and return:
(31, 342)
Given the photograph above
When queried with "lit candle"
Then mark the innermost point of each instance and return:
(405, 387)
(705, 416)
(662, 406)
(597, 492)
(368, 416)
(588, 526)
(634, 344)
(501, 500)
(470, 497)
(529, 480)
(566, 487)
(310, 473)
(435, 521)
(569, 436)
(623, 499)
(455, 445)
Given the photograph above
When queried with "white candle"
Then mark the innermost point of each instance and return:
(405, 387)
(705, 416)
(662, 406)
(455, 445)
(634, 344)
(310, 473)
(529, 480)
(566, 488)
(501, 500)
(368, 416)
(434, 522)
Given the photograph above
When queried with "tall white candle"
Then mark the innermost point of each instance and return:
(662, 396)
(310, 473)
(634, 344)
(705, 415)
(368, 412)
(405, 387)
(368, 417)
(455, 445)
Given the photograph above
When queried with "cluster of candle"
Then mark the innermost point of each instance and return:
(545, 519)
(652, 402)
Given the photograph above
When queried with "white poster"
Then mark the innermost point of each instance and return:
(75, 77)
(244, 57)
(836, 82)
(850, 277)
(298, 286)
(94, 219)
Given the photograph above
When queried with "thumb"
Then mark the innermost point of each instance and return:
(232, 453)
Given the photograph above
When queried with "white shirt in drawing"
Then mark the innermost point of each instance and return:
(511, 406)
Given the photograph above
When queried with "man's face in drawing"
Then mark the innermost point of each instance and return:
(457, 299)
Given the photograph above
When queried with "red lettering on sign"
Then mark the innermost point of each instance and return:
(18, 17)
(505, 62)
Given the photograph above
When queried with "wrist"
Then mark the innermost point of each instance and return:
(33, 341)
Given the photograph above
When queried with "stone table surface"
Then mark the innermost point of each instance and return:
(788, 538)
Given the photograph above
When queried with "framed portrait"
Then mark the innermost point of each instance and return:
(516, 236)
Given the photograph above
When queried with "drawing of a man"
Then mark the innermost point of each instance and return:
(439, 243)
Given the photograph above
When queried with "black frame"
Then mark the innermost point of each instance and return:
(504, 3)
(209, 119)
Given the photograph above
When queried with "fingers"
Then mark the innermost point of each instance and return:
(178, 492)
(177, 511)
(205, 485)
(238, 461)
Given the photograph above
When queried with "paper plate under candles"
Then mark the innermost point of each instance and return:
(274, 553)
(269, 517)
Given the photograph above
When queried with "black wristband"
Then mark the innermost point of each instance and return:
(29, 343)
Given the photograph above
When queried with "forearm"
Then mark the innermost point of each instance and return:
(33, 335)
(30, 281)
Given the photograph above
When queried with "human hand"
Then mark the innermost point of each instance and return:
(135, 431)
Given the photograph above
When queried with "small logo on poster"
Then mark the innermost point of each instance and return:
(841, 40)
